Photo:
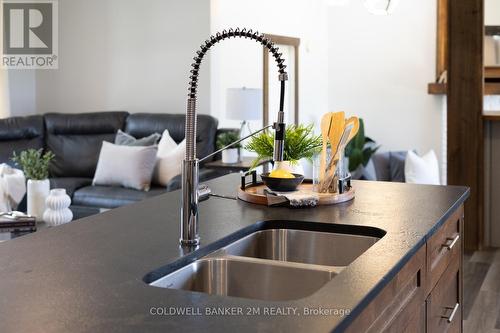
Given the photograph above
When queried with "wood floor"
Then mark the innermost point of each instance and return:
(482, 292)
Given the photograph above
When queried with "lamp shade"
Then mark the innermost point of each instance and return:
(244, 104)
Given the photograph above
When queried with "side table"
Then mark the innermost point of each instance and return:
(243, 165)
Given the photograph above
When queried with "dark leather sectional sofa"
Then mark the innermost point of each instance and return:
(76, 141)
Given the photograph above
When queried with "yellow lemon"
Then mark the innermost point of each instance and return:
(280, 173)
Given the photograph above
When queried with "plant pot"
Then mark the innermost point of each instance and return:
(37, 192)
(290, 167)
(58, 211)
(230, 156)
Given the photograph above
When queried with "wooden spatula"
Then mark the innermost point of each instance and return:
(335, 133)
(336, 129)
(326, 122)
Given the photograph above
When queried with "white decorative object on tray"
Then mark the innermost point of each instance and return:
(58, 211)
(37, 193)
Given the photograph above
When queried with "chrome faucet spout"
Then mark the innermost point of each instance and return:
(190, 166)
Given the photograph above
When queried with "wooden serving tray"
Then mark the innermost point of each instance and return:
(254, 193)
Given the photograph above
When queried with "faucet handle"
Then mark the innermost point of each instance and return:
(203, 192)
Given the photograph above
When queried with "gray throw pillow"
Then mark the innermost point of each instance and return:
(126, 166)
(381, 165)
(365, 172)
(397, 165)
(124, 139)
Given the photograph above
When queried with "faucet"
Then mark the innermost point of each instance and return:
(191, 191)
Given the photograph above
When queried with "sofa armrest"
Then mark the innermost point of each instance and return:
(174, 183)
(205, 175)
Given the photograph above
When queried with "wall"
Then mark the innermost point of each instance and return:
(237, 63)
(379, 67)
(21, 92)
(125, 55)
(4, 95)
(492, 12)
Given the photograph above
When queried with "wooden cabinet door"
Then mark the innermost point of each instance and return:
(444, 310)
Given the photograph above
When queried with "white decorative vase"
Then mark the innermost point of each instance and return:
(37, 192)
(58, 211)
(230, 155)
(290, 167)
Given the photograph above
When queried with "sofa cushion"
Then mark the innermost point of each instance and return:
(397, 165)
(125, 139)
(204, 175)
(169, 159)
(382, 166)
(126, 166)
(18, 134)
(141, 125)
(111, 196)
(76, 140)
(70, 184)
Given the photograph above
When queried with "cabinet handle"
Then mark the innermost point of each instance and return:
(453, 242)
(453, 313)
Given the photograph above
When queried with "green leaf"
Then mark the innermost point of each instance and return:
(34, 163)
(300, 142)
(355, 159)
(360, 149)
(226, 138)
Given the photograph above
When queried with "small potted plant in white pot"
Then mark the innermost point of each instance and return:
(300, 143)
(35, 165)
(230, 155)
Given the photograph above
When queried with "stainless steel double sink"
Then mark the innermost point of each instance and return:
(277, 264)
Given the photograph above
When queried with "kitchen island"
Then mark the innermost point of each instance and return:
(89, 276)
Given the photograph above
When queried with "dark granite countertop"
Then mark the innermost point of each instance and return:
(88, 276)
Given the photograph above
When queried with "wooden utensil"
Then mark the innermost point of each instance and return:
(326, 122)
(332, 166)
(336, 128)
(355, 128)
(335, 134)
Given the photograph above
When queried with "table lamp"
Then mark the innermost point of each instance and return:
(244, 104)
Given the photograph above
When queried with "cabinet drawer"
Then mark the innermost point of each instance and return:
(443, 247)
(399, 304)
(444, 309)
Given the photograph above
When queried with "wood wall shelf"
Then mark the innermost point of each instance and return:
(491, 115)
(490, 88)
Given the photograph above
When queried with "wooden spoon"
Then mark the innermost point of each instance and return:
(355, 127)
(326, 122)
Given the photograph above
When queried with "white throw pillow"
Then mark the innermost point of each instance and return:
(125, 166)
(169, 159)
(422, 170)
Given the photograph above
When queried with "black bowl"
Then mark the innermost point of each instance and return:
(282, 184)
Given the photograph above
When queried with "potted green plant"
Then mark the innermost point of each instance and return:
(35, 165)
(359, 153)
(300, 143)
(230, 155)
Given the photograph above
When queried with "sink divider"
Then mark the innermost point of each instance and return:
(221, 254)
